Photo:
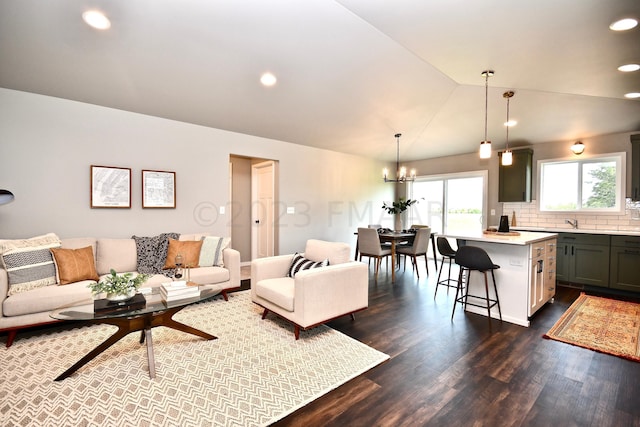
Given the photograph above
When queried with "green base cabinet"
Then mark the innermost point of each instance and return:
(583, 259)
(625, 263)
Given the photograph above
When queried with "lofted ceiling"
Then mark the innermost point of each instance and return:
(351, 73)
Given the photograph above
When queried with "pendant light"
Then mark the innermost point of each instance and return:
(507, 155)
(401, 172)
(485, 146)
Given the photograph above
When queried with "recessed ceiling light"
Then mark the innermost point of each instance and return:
(511, 123)
(632, 95)
(268, 79)
(624, 24)
(96, 19)
(629, 67)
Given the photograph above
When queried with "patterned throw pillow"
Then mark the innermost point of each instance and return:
(29, 262)
(152, 253)
(300, 263)
(211, 252)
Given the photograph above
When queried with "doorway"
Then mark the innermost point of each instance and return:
(247, 236)
(263, 209)
(452, 203)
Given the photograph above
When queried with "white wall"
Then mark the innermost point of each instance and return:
(48, 144)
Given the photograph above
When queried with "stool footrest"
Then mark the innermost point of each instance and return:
(462, 299)
(447, 282)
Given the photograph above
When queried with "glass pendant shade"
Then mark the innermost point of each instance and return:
(485, 149)
(507, 158)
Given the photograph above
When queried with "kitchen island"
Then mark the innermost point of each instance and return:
(526, 279)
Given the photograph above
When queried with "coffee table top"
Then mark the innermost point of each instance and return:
(154, 303)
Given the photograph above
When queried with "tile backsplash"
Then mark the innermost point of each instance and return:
(528, 215)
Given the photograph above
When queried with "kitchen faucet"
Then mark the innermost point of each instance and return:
(573, 223)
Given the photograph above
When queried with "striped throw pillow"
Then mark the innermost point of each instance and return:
(211, 251)
(300, 263)
(29, 262)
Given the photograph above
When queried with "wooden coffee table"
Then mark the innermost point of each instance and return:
(154, 313)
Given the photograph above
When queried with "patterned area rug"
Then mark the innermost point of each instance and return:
(601, 324)
(254, 373)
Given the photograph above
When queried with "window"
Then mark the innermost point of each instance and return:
(593, 184)
(451, 204)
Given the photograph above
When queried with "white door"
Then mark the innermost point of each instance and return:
(262, 208)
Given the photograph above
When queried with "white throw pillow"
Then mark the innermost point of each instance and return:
(211, 251)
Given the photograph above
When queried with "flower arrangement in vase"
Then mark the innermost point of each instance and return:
(397, 209)
(118, 287)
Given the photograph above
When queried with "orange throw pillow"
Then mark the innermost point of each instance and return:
(74, 265)
(189, 249)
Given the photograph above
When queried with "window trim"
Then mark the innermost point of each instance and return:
(621, 180)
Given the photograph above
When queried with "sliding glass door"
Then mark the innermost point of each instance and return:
(451, 204)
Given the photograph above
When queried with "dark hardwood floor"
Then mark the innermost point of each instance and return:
(444, 373)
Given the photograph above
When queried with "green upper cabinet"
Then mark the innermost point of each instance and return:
(635, 167)
(515, 180)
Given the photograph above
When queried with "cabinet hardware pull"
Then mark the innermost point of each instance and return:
(540, 264)
(572, 250)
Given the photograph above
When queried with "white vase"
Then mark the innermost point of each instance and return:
(398, 222)
(121, 297)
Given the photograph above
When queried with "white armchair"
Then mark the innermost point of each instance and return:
(313, 296)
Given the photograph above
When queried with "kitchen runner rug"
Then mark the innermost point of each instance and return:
(601, 324)
(254, 373)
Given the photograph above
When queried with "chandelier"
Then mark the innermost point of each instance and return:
(401, 172)
(485, 146)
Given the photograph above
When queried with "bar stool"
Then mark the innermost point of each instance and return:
(471, 258)
(448, 253)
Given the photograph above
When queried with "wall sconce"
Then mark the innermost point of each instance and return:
(577, 148)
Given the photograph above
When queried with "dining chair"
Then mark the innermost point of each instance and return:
(384, 245)
(369, 246)
(417, 249)
(433, 242)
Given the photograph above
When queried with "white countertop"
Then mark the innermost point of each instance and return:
(525, 237)
(577, 230)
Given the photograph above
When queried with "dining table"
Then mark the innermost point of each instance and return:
(395, 237)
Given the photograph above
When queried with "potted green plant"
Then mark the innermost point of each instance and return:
(397, 209)
(118, 287)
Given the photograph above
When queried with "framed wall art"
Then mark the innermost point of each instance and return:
(158, 189)
(110, 187)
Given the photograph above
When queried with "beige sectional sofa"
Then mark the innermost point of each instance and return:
(32, 307)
